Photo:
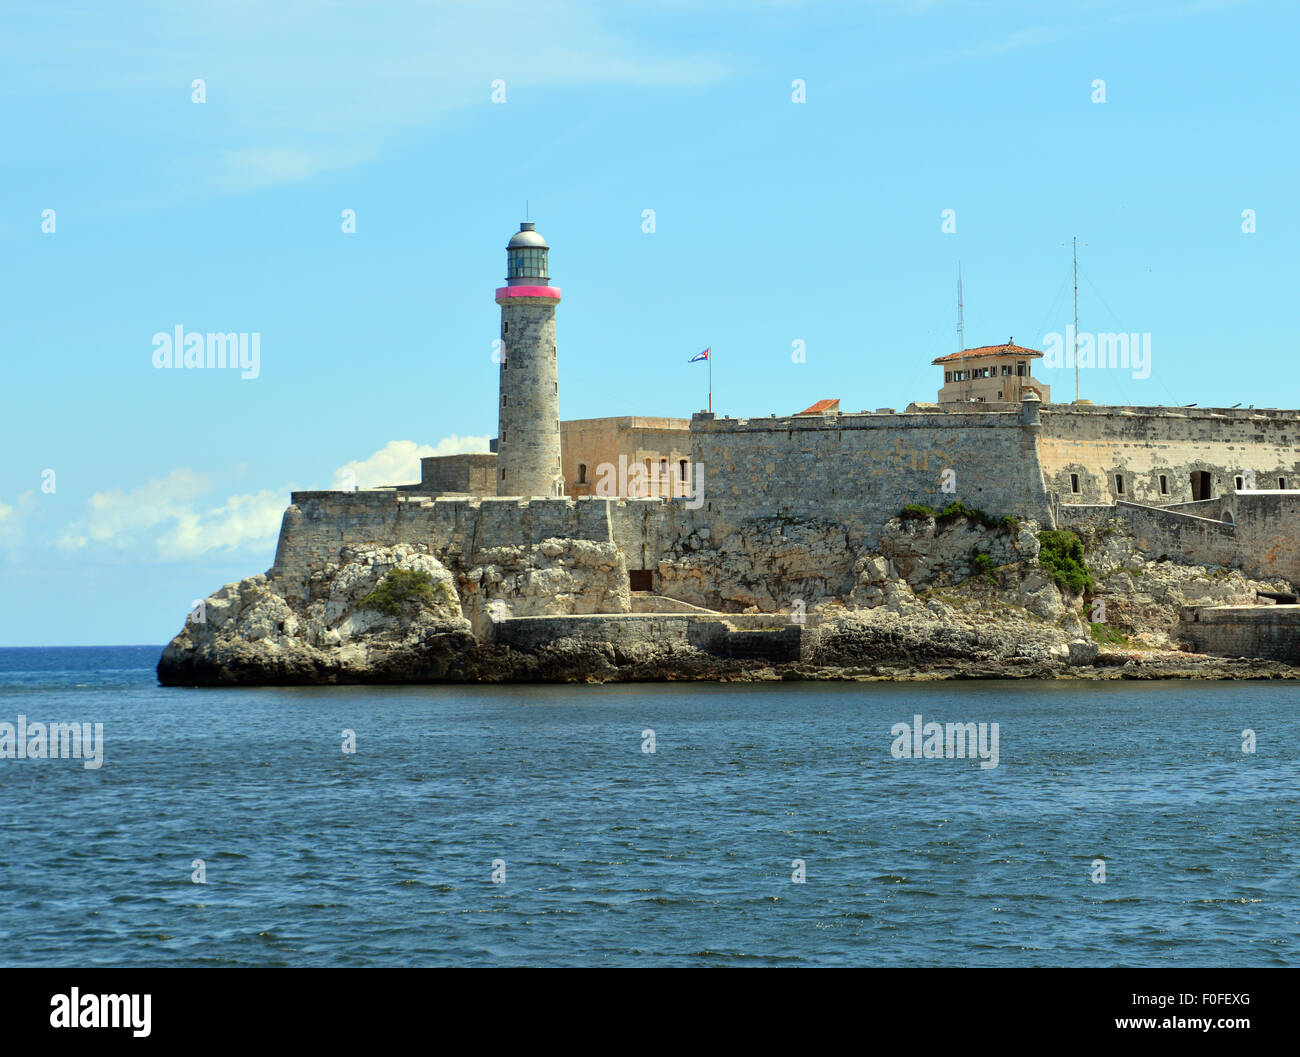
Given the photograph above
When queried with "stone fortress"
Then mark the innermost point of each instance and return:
(722, 528)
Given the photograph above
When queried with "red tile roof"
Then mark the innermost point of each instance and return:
(821, 407)
(988, 350)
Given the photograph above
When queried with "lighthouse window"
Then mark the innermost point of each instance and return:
(505, 327)
(504, 400)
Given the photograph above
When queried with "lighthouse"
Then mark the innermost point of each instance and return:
(528, 433)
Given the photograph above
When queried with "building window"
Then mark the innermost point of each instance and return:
(582, 473)
(663, 470)
(1201, 485)
(1074, 483)
(1119, 484)
(1020, 368)
(1239, 483)
(999, 394)
(947, 376)
(1281, 483)
(504, 400)
(682, 467)
(641, 579)
(1164, 485)
(505, 326)
(503, 475)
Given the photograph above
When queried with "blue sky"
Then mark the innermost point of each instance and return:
(775, 222)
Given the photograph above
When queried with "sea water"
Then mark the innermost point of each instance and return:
(1125, 823)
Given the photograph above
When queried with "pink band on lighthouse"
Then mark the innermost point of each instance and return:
(552, 292)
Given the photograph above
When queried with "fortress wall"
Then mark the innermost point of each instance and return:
(860, 470)
(317, 525)
(852, 473)
(1158, 532)
(771, 641)
(645, 529)
(469, 473)
(1144, 442)
(1272, 632)
(1268, 531)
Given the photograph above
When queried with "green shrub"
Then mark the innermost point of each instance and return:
(917, 512)
(956, 510)
(982, 563)
(400, 587)
(1108, 636)
(1061, 556)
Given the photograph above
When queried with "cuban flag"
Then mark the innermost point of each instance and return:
(702, 356)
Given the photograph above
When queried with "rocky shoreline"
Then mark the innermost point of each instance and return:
(939, 599)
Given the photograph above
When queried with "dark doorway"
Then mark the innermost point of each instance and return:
(641, 579)
(1200, 484)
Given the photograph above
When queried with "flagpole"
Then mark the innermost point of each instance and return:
(710, 381)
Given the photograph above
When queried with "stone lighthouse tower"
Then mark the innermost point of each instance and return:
(528, 435)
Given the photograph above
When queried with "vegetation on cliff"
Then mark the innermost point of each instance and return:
(983, 564)
(956, 510)
(1061, 556)
(400, 587)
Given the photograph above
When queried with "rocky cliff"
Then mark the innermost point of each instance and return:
(938, 598)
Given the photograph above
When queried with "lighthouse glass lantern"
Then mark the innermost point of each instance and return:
(526, 258)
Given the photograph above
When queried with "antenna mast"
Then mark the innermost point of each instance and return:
(1074, 242)
(961, 331)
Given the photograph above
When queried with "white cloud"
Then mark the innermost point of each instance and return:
(9, 526)
(242, 521)
(174, 518)
(20, 522)
(398, 461)
(165, 516)
(316, 86)
(119, 517)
